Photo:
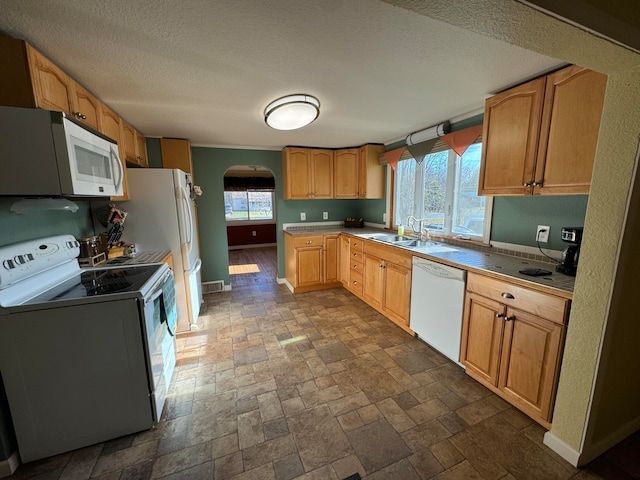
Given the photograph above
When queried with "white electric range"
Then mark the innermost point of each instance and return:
(86, 355)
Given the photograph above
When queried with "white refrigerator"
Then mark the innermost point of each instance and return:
(161, 216)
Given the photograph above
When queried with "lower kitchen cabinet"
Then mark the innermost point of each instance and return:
(387, 282)
(311, 262)
(512, 340)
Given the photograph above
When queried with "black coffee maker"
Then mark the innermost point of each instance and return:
(569, 262)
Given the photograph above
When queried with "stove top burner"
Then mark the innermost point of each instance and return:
(97, 282)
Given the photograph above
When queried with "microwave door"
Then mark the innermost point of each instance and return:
(90, 163)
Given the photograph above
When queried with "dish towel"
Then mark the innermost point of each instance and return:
(168, 309)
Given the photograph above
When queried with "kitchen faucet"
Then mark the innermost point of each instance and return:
(421, 229)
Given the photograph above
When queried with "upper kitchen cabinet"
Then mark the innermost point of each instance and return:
(371, 181)
(540, 137)
(135, 146)
(33, 81)
(84, 105)
(358, 173)
(176, 153)
(347, 173)
(307, 173)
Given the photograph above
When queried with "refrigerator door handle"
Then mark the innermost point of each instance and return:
(188, 245)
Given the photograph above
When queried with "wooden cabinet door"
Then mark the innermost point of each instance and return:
(296, 173)
(51, 86)
(397, 292)
(572, 111)
(128, 151)
(371, 181)
(85, 106)
(321, 165)
(344, 260)
(109, 123)
(510, 140)
(308, 266)
(529, 362)
(176, 153)
(482, 329)
(346, 173)
(373, 282)
(141, 150)
(331, 259)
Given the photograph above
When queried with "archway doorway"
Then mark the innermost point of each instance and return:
(250, 213)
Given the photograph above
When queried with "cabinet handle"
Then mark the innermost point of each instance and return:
(512, 317)
(499, 315)
(528, 184)
(79, 115)
(355, 282)
(507, 295)
(355, 244)
(537, 184)
(355, 266)
(309, 242)
(382, 266)
(355, 254)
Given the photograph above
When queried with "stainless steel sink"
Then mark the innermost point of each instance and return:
(385, 237)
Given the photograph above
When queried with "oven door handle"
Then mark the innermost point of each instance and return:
(157, 288)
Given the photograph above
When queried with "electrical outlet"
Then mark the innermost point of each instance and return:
(542, 234)
(384, 218)
(253, 233)
(325, 215)
(303, 216)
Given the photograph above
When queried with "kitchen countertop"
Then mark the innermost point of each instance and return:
(139, 258)
(482, 261)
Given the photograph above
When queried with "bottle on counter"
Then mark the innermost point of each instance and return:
(401, 229)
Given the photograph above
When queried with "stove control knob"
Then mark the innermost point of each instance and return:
(8, 264)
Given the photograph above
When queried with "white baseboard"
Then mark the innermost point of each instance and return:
(281, 280)
(565, 451)
(10, 465)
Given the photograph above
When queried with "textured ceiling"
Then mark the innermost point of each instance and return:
(205, 70)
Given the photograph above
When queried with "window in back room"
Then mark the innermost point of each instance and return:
(442, 190)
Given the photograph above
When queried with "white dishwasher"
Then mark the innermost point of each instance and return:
(437, 302)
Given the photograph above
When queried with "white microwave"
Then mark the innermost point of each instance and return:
(48, 153)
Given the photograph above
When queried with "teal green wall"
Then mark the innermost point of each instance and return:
(17, 228)
(154, 153)
(515, 219)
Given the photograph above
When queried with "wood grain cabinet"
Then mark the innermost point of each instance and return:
(135, 146)
(176, 153)
(358, 173)
(308, 173)
(31, 80)
(512, 340)
(540, 137)
(311, 262)
(387, 282)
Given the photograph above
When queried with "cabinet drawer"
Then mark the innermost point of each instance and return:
(541, 304)
(356, 265)
(355, 245)
(388, 253)
(355, 282)
(307, 240)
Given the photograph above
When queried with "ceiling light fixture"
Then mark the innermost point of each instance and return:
(292, 111)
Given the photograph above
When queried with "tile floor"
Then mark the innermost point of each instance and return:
(320, 386)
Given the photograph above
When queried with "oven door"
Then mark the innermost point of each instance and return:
(95, 167)
(160, 340)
